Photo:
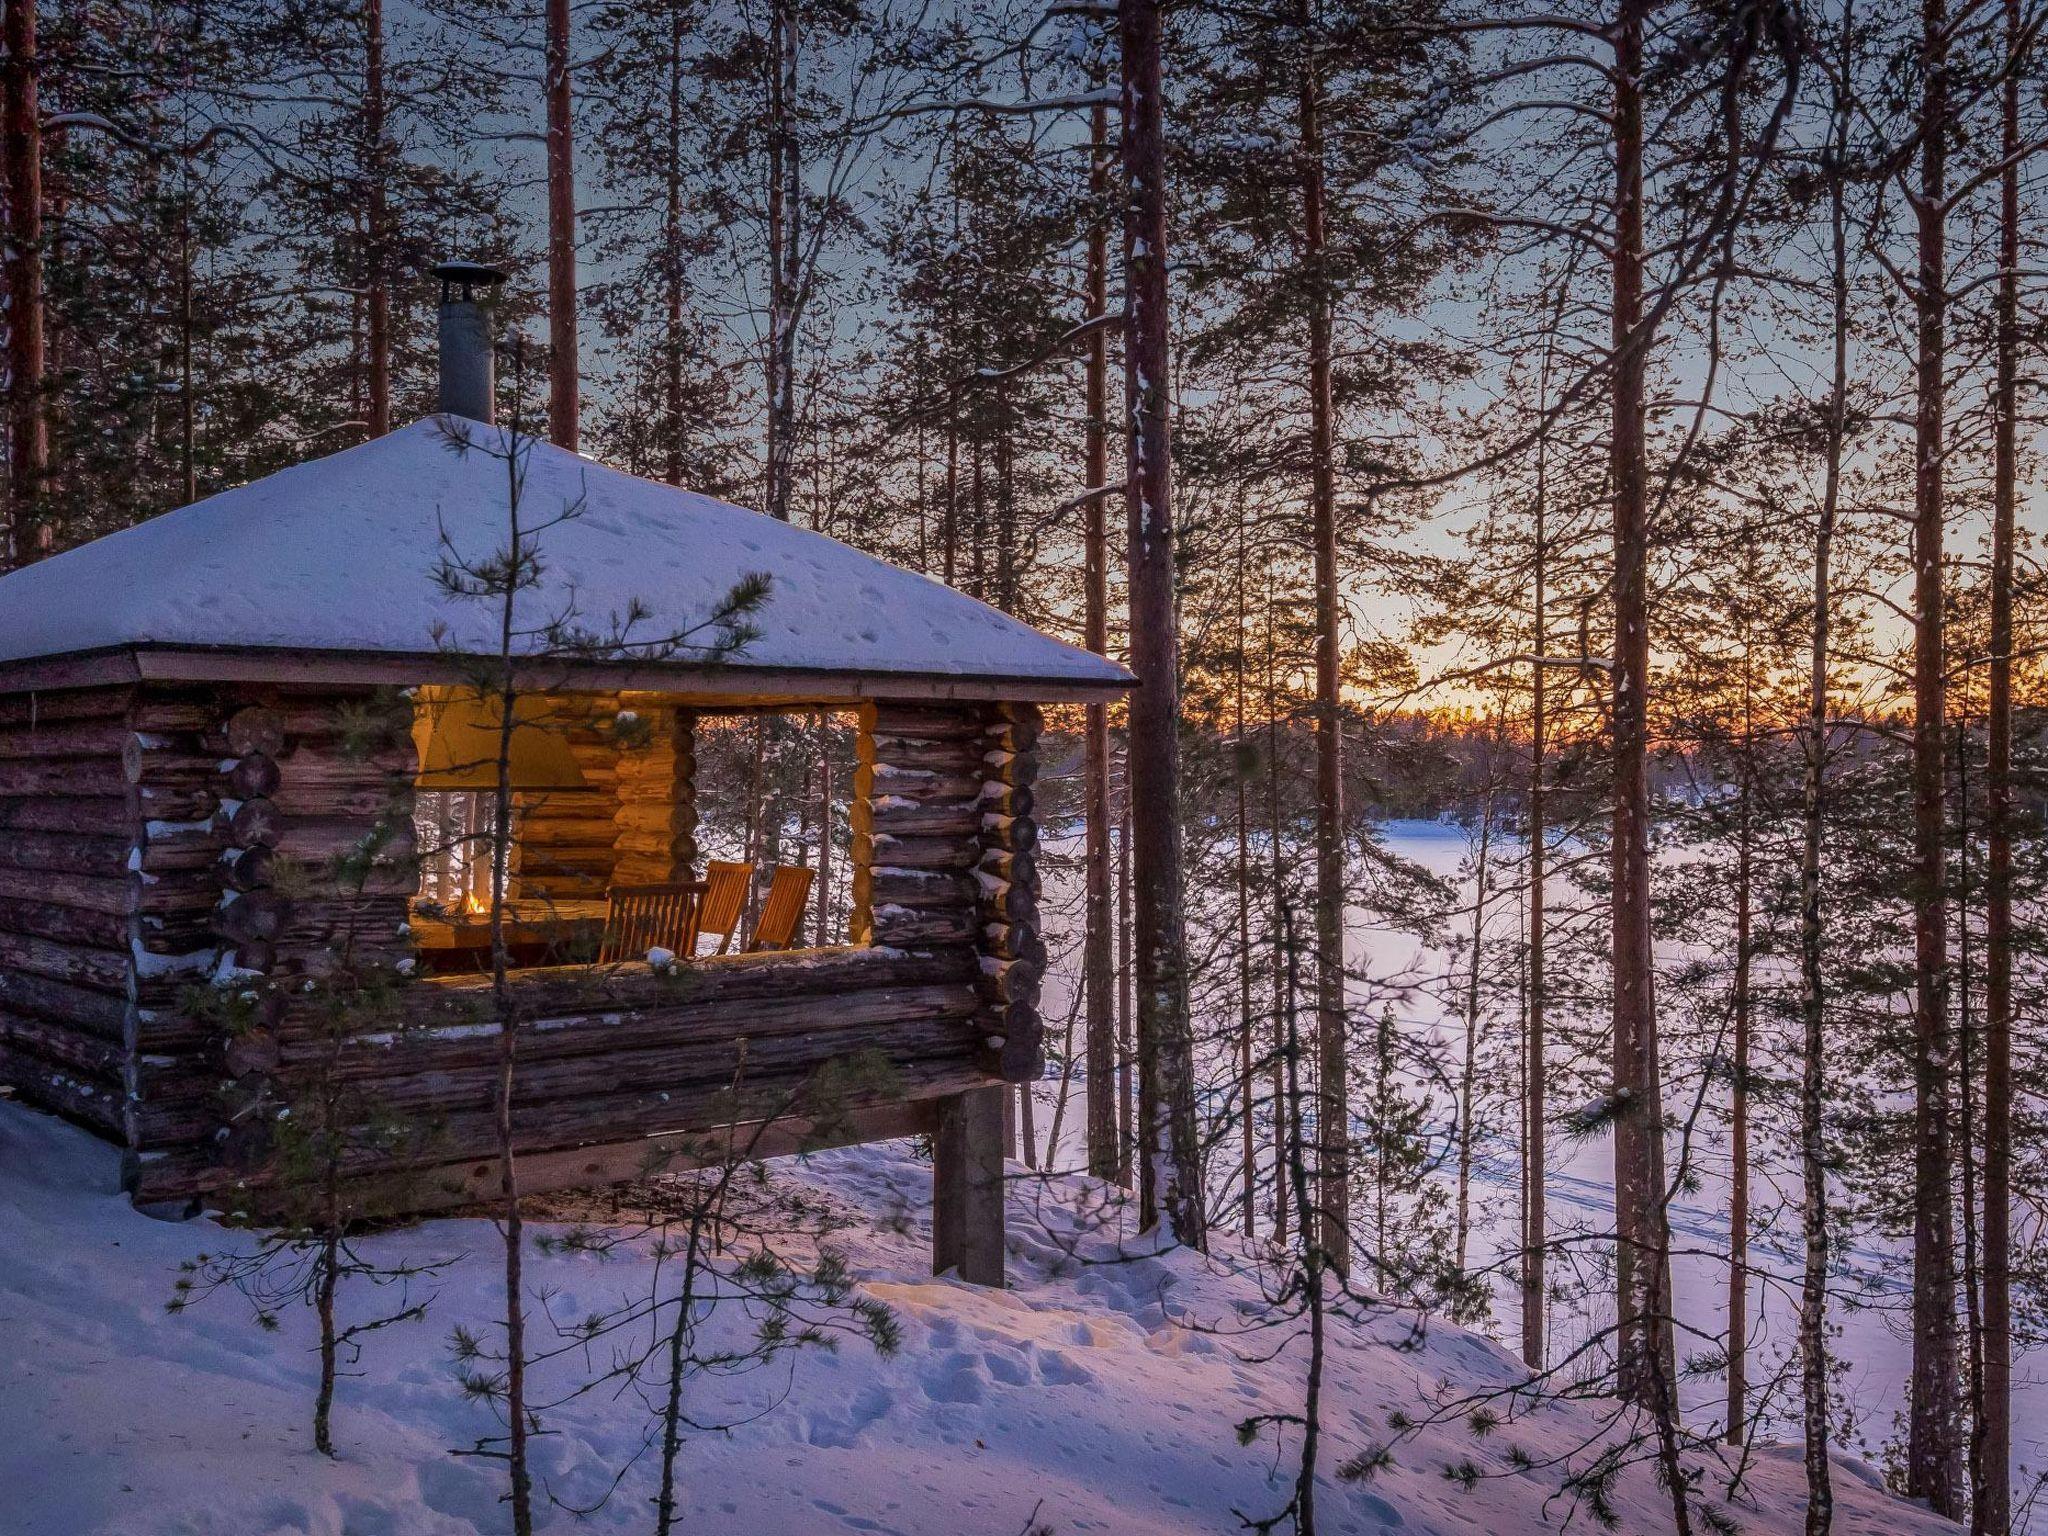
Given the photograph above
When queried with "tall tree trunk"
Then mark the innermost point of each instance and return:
(1098, 961)
(358, 351)
(999, 503)
(1992, 1515)
(188, 405)
(1169, 1143)
(1333, 1128)
(785, 237)
(1126, 1045)
(1468, 1072)
(1006, 502)
(1027, 1125)
(1933, 1441)
(376, 220)
(1738, 1130)
(1813, 1165)
(1535, 1171)
(924, 545)
(1813, 1168)
(1283, 1148)
(565, 408)
(1382, 1163)
(977, 524)
(1249, 1160)
(27, 426)
(1314, 1261)
(1965, 1091)
(950, 523)
(672, 267)
(1645, 1357)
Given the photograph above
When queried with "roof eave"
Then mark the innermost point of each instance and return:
(712, 682)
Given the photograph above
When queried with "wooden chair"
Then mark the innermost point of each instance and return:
(783, 912)
(644, 917)
(725, 899)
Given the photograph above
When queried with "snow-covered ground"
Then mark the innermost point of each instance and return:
(1101, 1393)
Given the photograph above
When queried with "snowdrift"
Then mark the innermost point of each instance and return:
(1101, 1393)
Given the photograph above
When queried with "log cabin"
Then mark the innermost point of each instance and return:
(219, 732)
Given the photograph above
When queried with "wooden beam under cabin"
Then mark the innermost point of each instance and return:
(475, 1182)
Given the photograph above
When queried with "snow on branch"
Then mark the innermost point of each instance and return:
(1074, 101)
(1082, 498)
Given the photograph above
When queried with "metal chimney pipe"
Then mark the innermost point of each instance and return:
(468, 368)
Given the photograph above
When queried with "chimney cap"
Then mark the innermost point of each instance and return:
(467, 276)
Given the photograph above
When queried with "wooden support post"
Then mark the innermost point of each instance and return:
(860, 830)
(656, 811)
(967, 1186)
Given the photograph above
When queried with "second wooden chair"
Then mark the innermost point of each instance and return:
(647, 917)
(725, 899)
(783, 912)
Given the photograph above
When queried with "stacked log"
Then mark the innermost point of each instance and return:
(655, 836)
(319, 859)
(942, 805)
(65, 893)
(566, 836)
(312, 876)
(106, 804)
(177, 763)
(917, 811)
(611, 1054)
(1013, 955)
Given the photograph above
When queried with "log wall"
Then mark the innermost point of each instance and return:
(251, 849)
(609, 1055)
(310, 873)
(655, 825)
(1012, 958)
(182, 800)
(567, 837)
(166, 844)
(76, 890)
(943, 803)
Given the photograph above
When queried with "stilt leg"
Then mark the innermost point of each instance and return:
(967, 1186)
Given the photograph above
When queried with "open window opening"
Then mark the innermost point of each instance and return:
(452, 830)
(775, 794)
(645, 829)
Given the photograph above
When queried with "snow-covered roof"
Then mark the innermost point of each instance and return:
(339, 555)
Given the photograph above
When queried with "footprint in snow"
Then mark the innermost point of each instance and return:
(1010, 1369)
(957, 1378)
(840, 1430)
(1373, 1507)
(850, 1520)
(1095, 1335)
(454, 1489)
(1058, 1370)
